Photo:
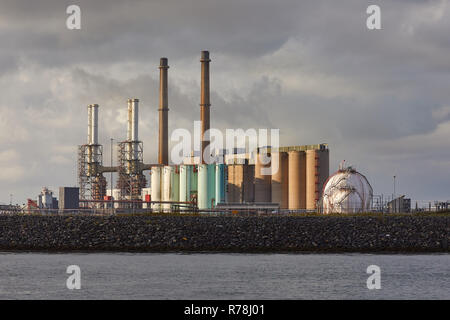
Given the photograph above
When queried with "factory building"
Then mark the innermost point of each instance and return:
(69, 198)
(239, 177)
(46, 200)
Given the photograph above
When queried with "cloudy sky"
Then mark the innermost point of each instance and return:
(379, 98)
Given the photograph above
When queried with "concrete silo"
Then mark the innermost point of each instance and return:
(297, 180)
(240, 183)
(317, 172)
(262, 181)
(280, 178)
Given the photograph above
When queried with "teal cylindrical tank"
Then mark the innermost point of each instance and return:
(194, 183)
(220, 183)
(202, 189)
(185, 184)
(211, 185)
(194, 178)
(176, 184)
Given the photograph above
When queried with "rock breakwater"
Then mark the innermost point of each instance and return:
(225, 233)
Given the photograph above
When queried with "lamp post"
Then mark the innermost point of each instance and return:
(112, 203)
(394, 186)
(393, 198)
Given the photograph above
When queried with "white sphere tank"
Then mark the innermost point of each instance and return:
(347, 191)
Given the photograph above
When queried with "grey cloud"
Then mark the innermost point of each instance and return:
(310, 68)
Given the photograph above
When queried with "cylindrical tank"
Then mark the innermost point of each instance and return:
(317, 171)
(156, 188)
(202, 193)
(297, 180)
(280, 178)
(233, 185)
(185, 184)
(176, 184)
(220, 183)
(167, 187)
(262, 181)
(194, 179)
(211, 185)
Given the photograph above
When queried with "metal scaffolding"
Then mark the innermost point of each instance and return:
(131, 179)
(91, 181)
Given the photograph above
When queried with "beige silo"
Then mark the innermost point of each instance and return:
(297, 180)
(262, 181)
(248, 188)
(280, 178)
(317, 172)
(240, 183)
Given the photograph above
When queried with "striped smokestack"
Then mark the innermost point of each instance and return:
(163, 151)
(204, 102)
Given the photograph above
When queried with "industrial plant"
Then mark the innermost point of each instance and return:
(234, 182)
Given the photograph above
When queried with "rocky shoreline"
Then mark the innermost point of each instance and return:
(405, 234)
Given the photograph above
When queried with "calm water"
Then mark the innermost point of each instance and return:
(223, 276)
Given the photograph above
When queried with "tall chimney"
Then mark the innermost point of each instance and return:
(94, 124)
(89, 137)
(129, 120)
(133, 125)
(163, 151)
(204, 102)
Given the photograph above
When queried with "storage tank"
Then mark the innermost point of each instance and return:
(185, 182)
(234, 183)
(202, 193)
(194, 179)
(220, 183)
(317, 172)
(156, 188)
(347, 191)
(297, 180)
(262, 182)
(240, 183)
(211, 186)
(168, 177)
(280, 178)
(176, 184)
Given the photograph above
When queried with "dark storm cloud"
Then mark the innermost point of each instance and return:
(311, 68)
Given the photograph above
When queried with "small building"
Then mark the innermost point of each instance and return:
(399, 205)
(69, 198)
(46, 200)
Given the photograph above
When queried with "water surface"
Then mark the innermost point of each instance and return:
(223, 276)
